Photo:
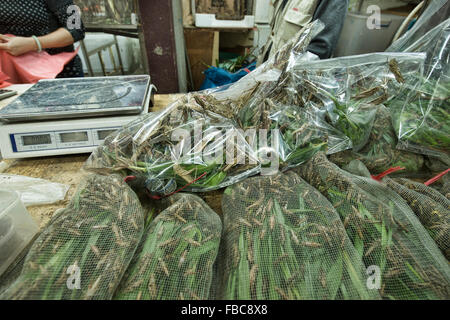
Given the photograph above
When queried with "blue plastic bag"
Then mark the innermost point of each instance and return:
(216, 77)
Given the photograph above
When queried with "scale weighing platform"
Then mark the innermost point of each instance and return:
(71, 116)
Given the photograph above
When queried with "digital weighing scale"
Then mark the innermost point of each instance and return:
(70, 116)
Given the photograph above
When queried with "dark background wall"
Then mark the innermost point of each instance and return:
(157, 25)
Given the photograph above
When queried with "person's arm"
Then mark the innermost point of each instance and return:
(332, 13)
(17, 46)
(64, 15)
(57, 39)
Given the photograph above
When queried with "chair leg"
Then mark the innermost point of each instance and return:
(87, 58)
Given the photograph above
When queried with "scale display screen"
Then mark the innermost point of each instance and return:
(102, 134)
(68, 137)
(36, 140)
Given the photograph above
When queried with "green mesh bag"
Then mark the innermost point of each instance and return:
(283, 240)
(84, 251)
(13, 272)
(384, 231)
(421, 188)
(434, 215)
(440, 170)
(436, 164)
(175, 258)
(445, 188)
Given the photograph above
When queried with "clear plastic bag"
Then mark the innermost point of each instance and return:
(283, 240)
(436, 12)
(34, 191)
(296, 133)
(347, 90)
(338, 97)
(85, 250)
(421, 114)
(384, 231)
(256, 84)
(176, 256)
(198, 143)
(380, 152)
(184, 145)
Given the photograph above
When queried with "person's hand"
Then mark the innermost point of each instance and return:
(17, 46)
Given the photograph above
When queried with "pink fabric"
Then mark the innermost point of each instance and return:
(32, 66)
(3, 79)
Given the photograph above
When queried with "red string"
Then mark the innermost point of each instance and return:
(176, 191)
(387, 172)
(129, 178)
(439, 176)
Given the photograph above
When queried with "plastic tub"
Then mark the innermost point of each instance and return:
(17, 228)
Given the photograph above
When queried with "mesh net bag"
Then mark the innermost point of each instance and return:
(84, 251)
(384, 231)
(13, 272)
(445, 188)
(380, 152)
(434, 215)
(175, 258)
(283, 240)
(423, 189)
(435, 165)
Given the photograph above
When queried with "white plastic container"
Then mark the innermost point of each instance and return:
(206, 20)
(17, 227)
